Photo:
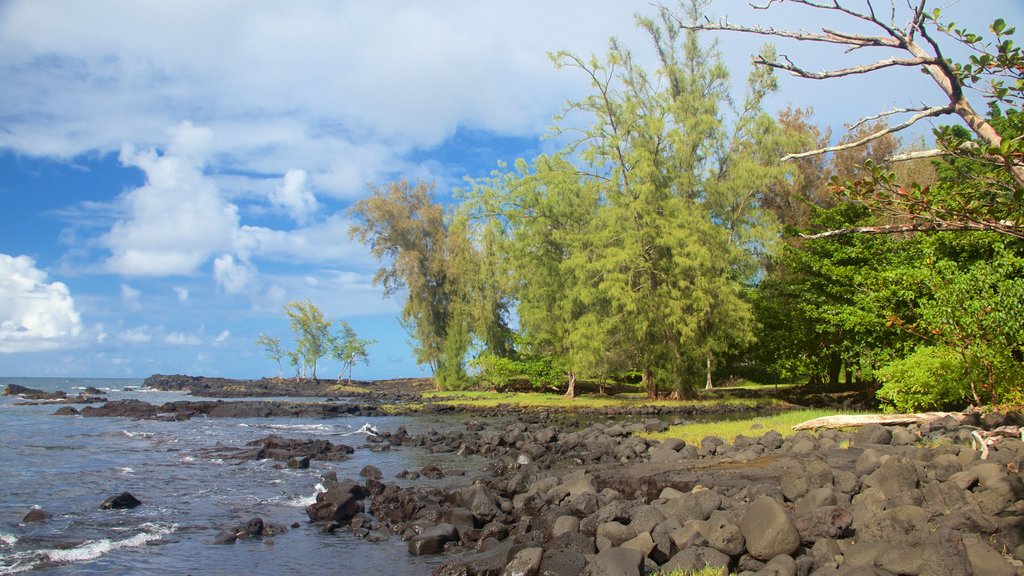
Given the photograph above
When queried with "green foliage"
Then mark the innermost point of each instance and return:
(629, 250)
(977, 310)
(312, 333)
(503, 373)
(931, 378)
(349, 349)
(443, 270)
(272, 349)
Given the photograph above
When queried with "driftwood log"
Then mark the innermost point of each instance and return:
(853, 420)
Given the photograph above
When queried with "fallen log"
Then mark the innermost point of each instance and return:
(854, 420)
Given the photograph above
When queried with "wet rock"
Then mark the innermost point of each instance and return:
(122, 501)
(768, 530)
(67, 411)
(32, 393)
(339, 503)
(371, 472)
(35, 515)
(432, 540)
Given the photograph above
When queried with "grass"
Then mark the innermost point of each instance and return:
(781, 422)
(557, 401)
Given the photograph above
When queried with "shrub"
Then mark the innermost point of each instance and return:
(932, 378)
(508, 373)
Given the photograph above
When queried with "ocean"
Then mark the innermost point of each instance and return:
(69, 465)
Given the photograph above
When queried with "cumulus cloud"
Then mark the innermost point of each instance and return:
(406, 91)
(34, 314)
(182, 339)
(234, 276)
(181, 293)
(222, 337)
(178, 219)
(294, 196)
(137, 335)
(130, 298)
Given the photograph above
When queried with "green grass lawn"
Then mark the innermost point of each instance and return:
(781, 422)
(557, 401)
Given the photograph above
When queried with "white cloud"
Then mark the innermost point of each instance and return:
(182, 339)
(34, 314)
(294, 196)
(234, 276)
(325, 242)
(222, 337)
(137, 335)
(181, 293)
(403, 77)
(177, 220)
(130, 298)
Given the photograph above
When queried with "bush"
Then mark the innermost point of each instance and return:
(508, 373)
(932, 378)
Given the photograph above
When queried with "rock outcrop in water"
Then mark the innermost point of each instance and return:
(58, 396)
(289, 450)
(185, 409)
(123, 501)
(882, 500)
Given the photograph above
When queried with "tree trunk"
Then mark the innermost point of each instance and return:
(708, 386)
(835, 366)
(571, 391)
(649, 384)
(848, 368)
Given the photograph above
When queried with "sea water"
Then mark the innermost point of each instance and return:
(68, 465)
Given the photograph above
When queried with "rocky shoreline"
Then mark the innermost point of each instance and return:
(566, 496)
(603, 500)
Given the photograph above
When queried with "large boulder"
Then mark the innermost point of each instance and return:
(768, 530)
(432, 540)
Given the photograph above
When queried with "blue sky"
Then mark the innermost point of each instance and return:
(172, 174)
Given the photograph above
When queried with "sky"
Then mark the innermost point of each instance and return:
(172, 174)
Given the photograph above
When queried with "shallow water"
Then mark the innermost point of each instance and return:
(69, 465)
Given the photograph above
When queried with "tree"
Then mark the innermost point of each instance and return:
(995, 69)
(349, 349)
(272, 349)
(432, 258)
(631, 246)
(312, 333)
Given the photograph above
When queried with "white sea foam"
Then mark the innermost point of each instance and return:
(126, 470)
(185, 458)
(309, 428)
(367, 429)
(8, 539)
(85, 552)
(131, 434)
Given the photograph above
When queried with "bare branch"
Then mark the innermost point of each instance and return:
(1001, 227)
(918, 154)
(798, 71)
(881, 115)
(926, 113)
(830, 37)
